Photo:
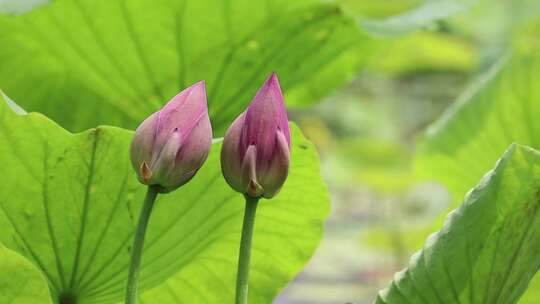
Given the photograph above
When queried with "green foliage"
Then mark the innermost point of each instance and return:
(72, 204)
(422, 16)
(384, 165)
(500, 109)
(425, 52)
(69, 202)
(488, 249)
(114, 62)
(495, 24)
(380, 9)
(20, 281)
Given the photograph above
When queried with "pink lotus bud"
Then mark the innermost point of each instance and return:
(173, 143)
(256, 149)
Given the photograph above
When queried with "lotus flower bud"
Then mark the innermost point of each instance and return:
(173, 143)
(256, 149)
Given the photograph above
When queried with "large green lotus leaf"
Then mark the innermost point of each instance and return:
(69, 203)
(20, 281)
(488, 249)
(501, 108)
(91, 62)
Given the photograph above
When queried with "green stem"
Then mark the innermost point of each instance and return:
(136, 251)
(242, 277)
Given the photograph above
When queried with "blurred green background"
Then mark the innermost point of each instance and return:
(425, 56)
(367, 134)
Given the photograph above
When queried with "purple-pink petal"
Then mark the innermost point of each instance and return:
(182, 112)
(265, 115)
(256, 149)
(172, 144)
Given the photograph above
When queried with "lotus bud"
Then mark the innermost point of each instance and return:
(256, 148)
(171, 145)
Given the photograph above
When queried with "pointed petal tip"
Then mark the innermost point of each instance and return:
(199, 89)
(200, 85)
(272, 85)
(273, 81)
